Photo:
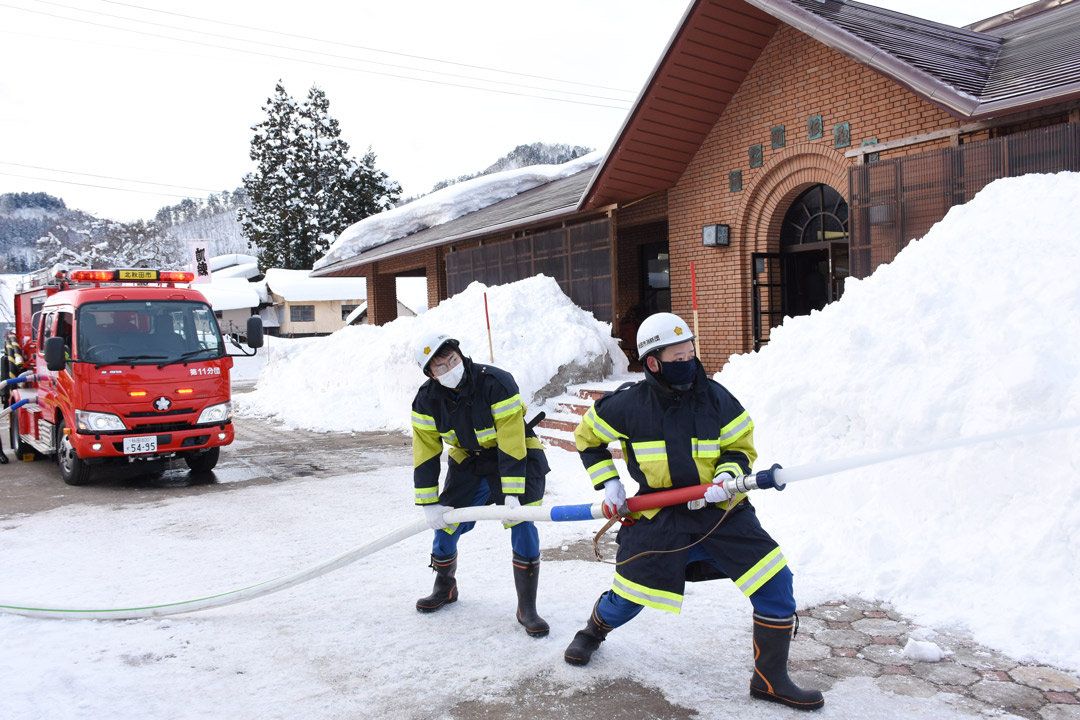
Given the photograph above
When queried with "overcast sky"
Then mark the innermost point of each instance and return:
(121, 108)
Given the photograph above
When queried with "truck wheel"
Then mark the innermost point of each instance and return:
(72, 469)
(203, 462)
(18, 447)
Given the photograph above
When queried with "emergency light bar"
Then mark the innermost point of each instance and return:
(134, 275)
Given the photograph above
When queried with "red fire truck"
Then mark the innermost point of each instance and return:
(108, 366)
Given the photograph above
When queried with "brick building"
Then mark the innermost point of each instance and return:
(779, 147)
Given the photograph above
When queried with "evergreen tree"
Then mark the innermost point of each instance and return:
(306, 189)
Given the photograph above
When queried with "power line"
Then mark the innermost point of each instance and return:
(105, 177)
(103, 187)
(623, 106)
(362, 47)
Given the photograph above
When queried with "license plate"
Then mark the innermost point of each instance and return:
(135, 445)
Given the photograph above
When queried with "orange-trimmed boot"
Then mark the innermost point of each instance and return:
(772, 639)
(445, 590)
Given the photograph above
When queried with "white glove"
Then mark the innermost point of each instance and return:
(511, 501)
(716, 492)
(433, 515)
(614, 496)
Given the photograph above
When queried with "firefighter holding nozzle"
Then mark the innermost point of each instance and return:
(680, 428)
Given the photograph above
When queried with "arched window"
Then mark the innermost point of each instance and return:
(819, 214)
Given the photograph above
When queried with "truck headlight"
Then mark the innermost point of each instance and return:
(216, 414)
(96, 422)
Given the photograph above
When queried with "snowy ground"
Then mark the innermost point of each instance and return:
(973, 329)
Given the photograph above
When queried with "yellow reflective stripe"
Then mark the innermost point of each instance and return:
(428, 495)
(513, 485)
(705, 448)
(449, 529)
(450, 436)
(423, 422)
(728, 467)
(505, 407)
(659, 599)
(602, 429)
(602, 471)
(650, 451)
(736, 427)
(760, 574)
(485, 434)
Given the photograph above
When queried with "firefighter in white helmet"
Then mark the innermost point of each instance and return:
(476, 411)
(680, 428)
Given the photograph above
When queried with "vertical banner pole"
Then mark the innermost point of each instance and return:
(693, 296)
(491, 349)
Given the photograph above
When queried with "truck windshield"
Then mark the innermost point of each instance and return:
(150, 332)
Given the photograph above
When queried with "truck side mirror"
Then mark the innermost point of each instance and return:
(254, 332)
(54, 354)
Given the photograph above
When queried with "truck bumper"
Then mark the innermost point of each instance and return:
(105, 447)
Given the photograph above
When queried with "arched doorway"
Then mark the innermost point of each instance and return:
(814, 250)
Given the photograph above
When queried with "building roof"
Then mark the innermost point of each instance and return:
(1019, 62)
(553, 200)
(300, 286)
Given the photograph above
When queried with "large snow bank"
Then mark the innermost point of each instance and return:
(973, 329)
(448, 204)
(363, 377)
(299, 286)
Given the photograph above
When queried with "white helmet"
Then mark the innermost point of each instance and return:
(427, 346)
(660, 330)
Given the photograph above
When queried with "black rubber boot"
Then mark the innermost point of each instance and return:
(445, 590)
(587, 641)
(772, 638)
(526, 578)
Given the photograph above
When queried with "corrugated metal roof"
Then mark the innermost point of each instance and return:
(962, 58)
(1038, 54)
(548, 201)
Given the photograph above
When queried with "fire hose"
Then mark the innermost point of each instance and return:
(773, 478)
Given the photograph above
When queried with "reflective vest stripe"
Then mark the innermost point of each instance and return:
(423, 422)
(602, 428)
(659, 599)
(736, 427)
(755, 577)
(728, 467)
(505, 407)
(513, 485)
(705, 448)
(602, 471)
(485, 434)
(426, 496)
(651, 450)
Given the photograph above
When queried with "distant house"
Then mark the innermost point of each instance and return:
(359, 316)
(234, 300)
(306, 306)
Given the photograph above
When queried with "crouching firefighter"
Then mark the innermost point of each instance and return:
(679, 428)
(493, 457)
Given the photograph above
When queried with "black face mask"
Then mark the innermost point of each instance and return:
(679, 374)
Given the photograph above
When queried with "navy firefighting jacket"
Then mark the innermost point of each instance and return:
(669, 438)
(486, 413)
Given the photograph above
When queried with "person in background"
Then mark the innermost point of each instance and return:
(679, 428)
(476, 412)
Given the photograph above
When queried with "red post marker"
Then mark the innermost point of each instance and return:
(693, 298)
(487, 318)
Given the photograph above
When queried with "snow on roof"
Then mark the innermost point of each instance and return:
(448, 204)
(298, 286)
(230, 293)
(220, 262)
(357, 312)
(244, 270)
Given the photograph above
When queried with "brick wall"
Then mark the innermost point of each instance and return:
(795, 79)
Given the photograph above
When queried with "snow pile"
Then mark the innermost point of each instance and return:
(299, 286)
(973, 329)
(448, 204)
(923, 651)
(364, 377)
